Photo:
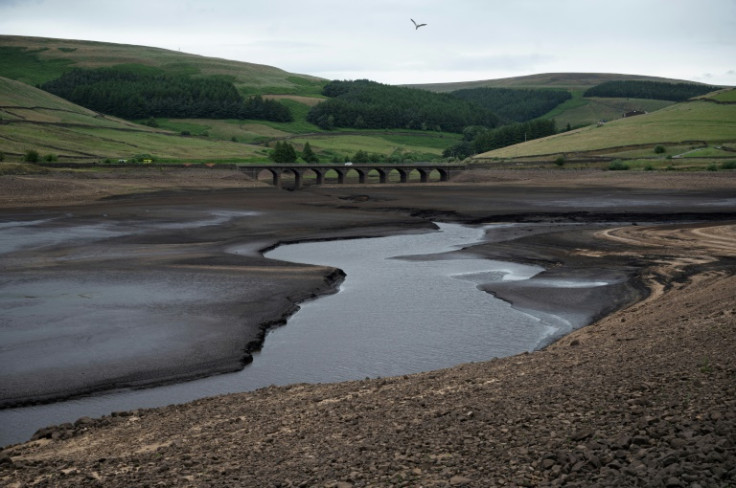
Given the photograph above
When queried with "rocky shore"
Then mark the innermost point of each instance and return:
(645, 396)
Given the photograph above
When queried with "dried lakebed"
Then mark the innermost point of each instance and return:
(410, 303)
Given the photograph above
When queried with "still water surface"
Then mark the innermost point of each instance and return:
(403, 308)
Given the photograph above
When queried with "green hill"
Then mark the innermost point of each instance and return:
(698, 128)
(579, 111)
(36, 60)
(32, 119)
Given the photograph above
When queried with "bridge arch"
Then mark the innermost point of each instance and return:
(365, 173)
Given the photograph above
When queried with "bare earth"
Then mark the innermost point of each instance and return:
(645, 396)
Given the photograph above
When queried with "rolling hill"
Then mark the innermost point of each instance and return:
(579, 111)
(31, 119)
(35, 60)
(704, 127)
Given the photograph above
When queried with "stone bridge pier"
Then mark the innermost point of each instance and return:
(427, 172)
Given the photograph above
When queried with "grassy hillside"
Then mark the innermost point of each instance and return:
(33, 119)
(35, 60)
(34, 123)
(699, 128)
(579, 111)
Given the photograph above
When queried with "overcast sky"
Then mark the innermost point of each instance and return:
(463, 40)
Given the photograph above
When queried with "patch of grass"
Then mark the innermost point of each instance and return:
(8, 168)
(728, 96)
(705, 152)
(190, 126)
(705, 366)
(26, 66)
(581, 111)
(336, 146)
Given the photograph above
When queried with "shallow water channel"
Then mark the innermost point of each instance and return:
(406, 306)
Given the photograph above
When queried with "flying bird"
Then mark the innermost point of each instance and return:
(417, 26)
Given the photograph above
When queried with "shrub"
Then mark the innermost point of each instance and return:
(31, 156)
(659, 150)
(618, 165)
(50, 158)
(712, 167)
(560, 161)
(726, 165)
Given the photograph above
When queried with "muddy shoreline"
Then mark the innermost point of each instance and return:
(644, 396)
(201, 255)
(322, 213)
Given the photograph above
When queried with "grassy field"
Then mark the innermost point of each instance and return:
(580, 111)
(723, 96)
(678, 129)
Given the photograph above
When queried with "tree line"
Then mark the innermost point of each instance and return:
(138, 94)
(364, 104)
(478, 140)
(514, 105)
(658, 90)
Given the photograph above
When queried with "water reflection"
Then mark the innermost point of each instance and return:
(393, 315)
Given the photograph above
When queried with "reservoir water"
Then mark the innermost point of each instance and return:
(405, 306)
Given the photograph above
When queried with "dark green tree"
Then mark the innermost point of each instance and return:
(283, 153)
(658, 90)
(308, 155)
(31, 156)
(361, 157)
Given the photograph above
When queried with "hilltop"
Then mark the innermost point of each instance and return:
(35, 60)
(566, 81)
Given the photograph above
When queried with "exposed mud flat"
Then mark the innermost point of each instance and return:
(644, 396)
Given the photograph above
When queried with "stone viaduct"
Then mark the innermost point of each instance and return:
(442, 172)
